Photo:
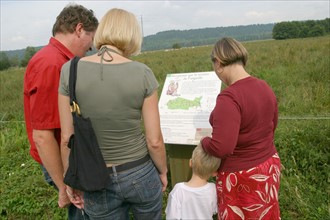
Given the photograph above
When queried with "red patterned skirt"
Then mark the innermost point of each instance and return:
(250, 194)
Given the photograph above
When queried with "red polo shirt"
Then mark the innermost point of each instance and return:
(41, 91)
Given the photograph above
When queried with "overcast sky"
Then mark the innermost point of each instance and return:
(29, 23)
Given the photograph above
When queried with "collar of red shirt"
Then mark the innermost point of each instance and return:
(61, 47)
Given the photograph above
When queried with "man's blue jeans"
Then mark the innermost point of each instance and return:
(138, 190)
(73, 212)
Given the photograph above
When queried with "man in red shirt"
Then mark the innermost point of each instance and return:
(73, 34)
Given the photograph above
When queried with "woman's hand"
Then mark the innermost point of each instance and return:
(163, 178)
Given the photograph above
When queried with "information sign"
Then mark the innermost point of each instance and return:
(186, 102)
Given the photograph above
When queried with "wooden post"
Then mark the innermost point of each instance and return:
(179, 156)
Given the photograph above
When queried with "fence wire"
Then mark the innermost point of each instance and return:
(280, 118)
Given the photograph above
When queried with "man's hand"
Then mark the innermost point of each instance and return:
(63, 199)
(76, 197)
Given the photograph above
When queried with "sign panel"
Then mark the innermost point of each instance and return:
(185, 104)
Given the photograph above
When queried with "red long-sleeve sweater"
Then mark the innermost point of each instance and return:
(243, 121)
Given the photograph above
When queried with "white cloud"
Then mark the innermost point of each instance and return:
(17, 39)
(255, 14)
(43, 23)
(204, 13)
(29, 23)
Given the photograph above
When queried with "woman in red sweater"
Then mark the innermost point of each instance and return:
(243, 121)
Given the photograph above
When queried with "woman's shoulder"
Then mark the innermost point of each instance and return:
(91, 58)
(142, 67)
(66, 66)
(138, 63)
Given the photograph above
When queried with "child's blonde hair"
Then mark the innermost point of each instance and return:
(204, 164)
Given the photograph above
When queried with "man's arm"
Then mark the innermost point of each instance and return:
(50, 155)
(66, 131)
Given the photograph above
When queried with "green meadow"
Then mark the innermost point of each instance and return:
(298, 70)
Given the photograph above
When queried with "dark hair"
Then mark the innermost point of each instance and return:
(228, 51)
(71, 16)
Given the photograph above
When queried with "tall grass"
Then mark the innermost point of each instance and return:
(299, 72)
(303, 147)
(11, 93)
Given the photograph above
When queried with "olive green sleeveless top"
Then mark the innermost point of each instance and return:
(112, 95)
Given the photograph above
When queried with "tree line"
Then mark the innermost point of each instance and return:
(6, 62)
(301, 29)
(175, 39)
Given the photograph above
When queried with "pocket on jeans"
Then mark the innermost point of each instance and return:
(148, 186)
(96, 202)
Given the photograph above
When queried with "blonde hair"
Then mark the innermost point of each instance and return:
(204, 164)
(119, 28)
(228, 51)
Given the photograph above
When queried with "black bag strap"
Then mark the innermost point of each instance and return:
(72, 84)
(73, 78)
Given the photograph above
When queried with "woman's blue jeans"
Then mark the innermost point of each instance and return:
(138, 190)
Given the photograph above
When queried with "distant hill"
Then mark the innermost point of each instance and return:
(206, 36)
(19, 53)
(193, 37)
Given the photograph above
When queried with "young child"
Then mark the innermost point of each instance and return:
(197, 198)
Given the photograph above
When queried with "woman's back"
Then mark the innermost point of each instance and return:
(112, 95)
(257, 111)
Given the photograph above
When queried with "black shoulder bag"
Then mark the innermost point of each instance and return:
(87, 170)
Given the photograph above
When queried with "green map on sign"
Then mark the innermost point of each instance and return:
(184, 104)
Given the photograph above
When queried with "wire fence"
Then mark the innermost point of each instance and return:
(280, 118)
(304, 118)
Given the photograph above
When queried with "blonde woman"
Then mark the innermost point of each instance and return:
(115, 93)
(243, 121)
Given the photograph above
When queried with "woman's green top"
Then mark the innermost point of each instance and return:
(112, 95)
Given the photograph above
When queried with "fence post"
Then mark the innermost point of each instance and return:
(179, 156)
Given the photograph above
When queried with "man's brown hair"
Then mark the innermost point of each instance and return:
(71, 16)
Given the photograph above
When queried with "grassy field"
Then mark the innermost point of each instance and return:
(299, 72)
